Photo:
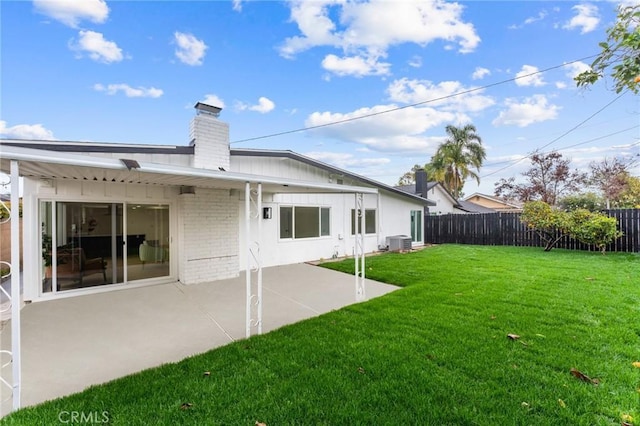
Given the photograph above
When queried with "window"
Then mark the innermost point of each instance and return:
(304, 222)
(416, 226)
(369, 221)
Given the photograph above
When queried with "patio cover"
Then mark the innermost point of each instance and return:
(44, 164)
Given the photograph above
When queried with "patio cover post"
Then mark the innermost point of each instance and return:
(247, 240)
(359, 247)
(259, 254)
(15, 282)
(254, 260)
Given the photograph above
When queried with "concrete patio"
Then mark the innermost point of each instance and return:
(70, 344)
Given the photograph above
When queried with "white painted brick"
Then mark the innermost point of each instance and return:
(211, 139)
(209, 236)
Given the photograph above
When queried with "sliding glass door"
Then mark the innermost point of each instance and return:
(148, 250)
(96, 244)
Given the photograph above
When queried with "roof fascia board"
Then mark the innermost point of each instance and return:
(86, 147)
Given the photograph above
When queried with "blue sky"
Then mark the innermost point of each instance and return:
(131, 71)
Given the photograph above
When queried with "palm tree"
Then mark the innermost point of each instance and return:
(456, 158)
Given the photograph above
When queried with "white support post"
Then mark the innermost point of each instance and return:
(254, 260)
(259, 260)
(359, 247)
(247, 240)
(15, 283)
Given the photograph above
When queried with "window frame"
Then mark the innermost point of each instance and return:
(323, 229)
(369, 229)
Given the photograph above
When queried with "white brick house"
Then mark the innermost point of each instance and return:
(99, 217)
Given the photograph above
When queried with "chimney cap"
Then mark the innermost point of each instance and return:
(208, 109)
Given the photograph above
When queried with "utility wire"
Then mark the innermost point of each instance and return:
(573, 146)
(373, 114)
(559, 137)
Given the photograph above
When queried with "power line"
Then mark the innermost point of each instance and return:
(559, 137)
(373, 114)
(573, 146)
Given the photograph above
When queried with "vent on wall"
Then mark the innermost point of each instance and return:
(187, 190)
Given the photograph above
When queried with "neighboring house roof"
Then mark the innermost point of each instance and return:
(470, 207)
(411, 189)
(492, 202)
(273, 153)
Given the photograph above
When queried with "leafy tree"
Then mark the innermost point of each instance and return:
(456, 158)
(549, 178)
(593, 228)
(620, 55)
(552, 225)
(630, 197)
(610, 176)
(586, 200)
(409, 177)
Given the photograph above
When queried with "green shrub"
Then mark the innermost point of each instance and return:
(551, 225)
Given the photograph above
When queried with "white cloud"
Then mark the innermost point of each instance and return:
(71, 13)
(575, 68)
(213, 100)
(443, 95)
(346, 160)
(530, 20)
(415, 61)
(586, 18)
(95, 45)
(237, 5)
(263, 106)
(357, 29)
(398, 131)
(480, 73)
(25, 131)
(627, 3)
(357, 66)
(561, 85)
(524, 79)
(130, 92)
(534, 109)
(190, 50)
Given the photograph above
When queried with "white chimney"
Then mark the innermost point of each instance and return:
(210, 137)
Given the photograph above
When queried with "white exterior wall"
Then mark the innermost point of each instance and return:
(208, 241)
(285, 168)
(393, 217)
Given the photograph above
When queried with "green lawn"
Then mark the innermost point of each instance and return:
(435, 352)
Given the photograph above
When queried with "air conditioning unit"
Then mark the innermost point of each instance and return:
(398, 243)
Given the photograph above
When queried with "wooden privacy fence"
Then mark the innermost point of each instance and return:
(505, 229)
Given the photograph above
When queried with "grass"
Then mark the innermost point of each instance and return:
(435, 352)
